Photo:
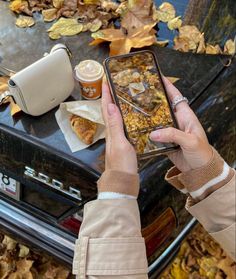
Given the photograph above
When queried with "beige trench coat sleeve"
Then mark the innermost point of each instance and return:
(217, 213)
(110, 244)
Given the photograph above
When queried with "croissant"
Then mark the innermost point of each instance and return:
(84, 128)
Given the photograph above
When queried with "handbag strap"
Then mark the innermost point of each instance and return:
(61, 46)
(4, 96)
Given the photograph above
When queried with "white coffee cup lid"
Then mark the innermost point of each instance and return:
(89, 70)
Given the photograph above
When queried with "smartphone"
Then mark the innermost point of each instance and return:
(138, 90)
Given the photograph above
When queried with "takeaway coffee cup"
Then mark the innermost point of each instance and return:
(89, 74)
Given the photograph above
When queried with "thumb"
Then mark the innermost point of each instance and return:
(115, 124)
(170, 135)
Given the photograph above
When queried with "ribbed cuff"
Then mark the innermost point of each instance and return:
(119, 182)
(201, 182)
(172, 178)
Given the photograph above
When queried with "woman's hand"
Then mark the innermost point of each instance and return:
(120, 154)
(195, 151)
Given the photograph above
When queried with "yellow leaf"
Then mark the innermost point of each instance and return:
(201, 47)
(14, 107)
(9, 242)
(207, 267)
(173, 79)
(3, 84)
(162, 43)
(65, 27)
(54, 35)
(24, 251)
(49, 14)
(210, 49)
(91, 2)
(174, 23)
(18, 5)
(95, 25)
(25, 21)
(230, 47)
(58, 3)
(166, 12)
(177, 272)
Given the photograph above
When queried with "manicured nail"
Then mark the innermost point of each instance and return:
(155, 135)
(104, 79)
(111, 108)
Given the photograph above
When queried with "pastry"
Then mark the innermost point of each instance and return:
(84, 128)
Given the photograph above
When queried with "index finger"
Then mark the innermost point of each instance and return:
(173, 92)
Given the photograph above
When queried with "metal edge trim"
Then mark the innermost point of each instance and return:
(152, 268)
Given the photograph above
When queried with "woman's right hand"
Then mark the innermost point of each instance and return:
(195, 150)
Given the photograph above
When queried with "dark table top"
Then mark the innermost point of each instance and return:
(21, 47)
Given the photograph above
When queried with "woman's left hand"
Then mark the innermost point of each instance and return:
(120, 154)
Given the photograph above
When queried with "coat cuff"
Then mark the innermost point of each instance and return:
(109, 257)
(119, 182)
(201, 182)
(214, 213)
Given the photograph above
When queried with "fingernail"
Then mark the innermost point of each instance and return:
(155, 135)
(111, 108)
(104, 79)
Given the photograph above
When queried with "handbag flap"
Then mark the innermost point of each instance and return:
(45, 84)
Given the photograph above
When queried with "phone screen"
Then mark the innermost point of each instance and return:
(139, 92)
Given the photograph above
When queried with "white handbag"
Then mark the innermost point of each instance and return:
(44, 84)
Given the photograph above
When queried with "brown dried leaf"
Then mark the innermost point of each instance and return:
(210, 49)
(191, 32)
(201, 47)
(64, 27)
(121, 43)
(166, 12)
(5, 269)
(109, 5)
(122, 8)
(23, 270)
(24, 265)
(228, 266)
(58, 3)
(229, 47)
(181, 44)
(24, 21)
(49, 14)
(174, 23)
(137, 14)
